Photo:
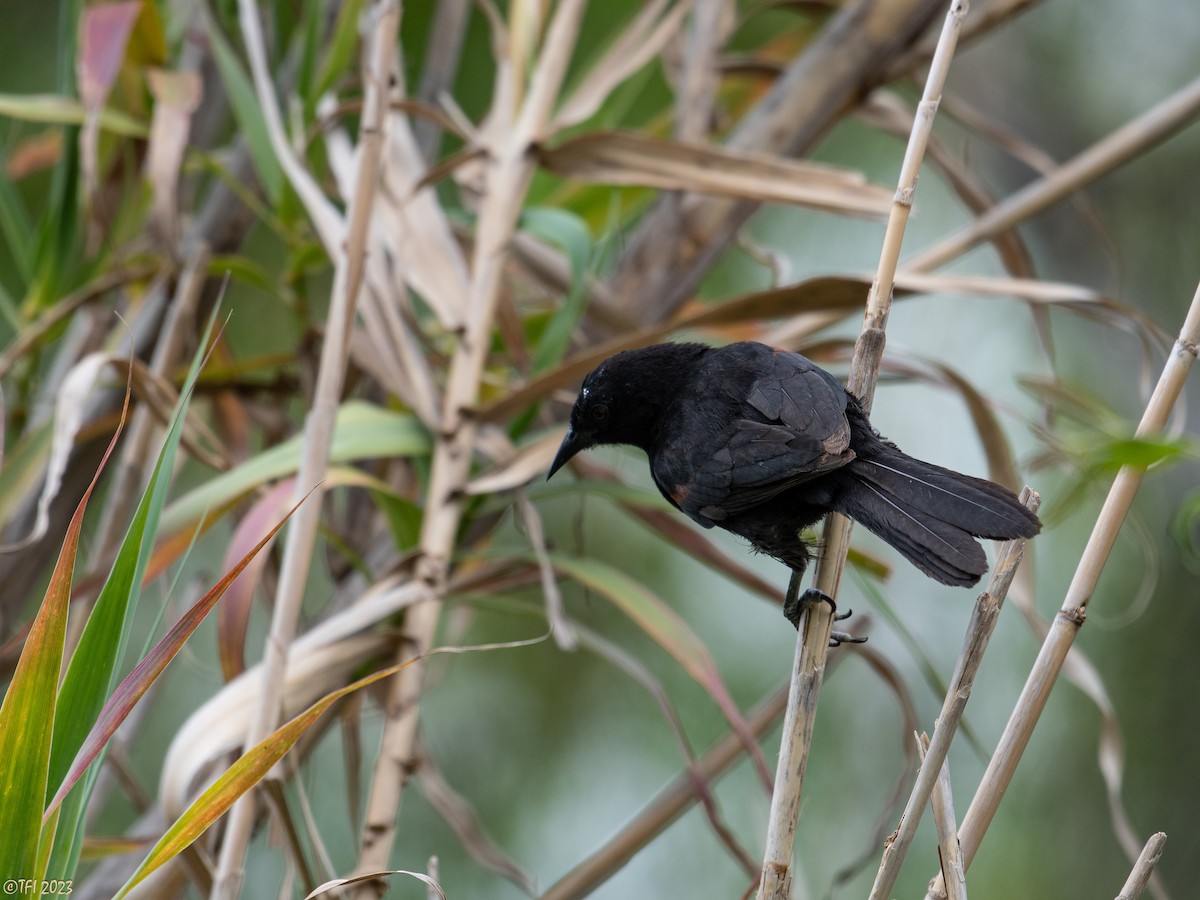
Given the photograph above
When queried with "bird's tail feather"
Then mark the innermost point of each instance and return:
(932, 515)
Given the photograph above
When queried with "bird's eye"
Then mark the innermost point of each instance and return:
(600, 412)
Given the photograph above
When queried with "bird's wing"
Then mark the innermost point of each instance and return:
(789, 427)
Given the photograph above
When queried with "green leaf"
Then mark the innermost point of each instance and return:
(340, 55)
(246, 110)
(146, 672)
(569, 232)
(92, 670)
(362, 431)
(1142, 452)
(237, 779)
(28, 712)
(52, 109)
(17, 229)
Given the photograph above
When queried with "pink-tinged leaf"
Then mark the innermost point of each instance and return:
(104, 35)
(233, 617)
(671, 633)
(144, 674)
(27, 714)
(238, 779)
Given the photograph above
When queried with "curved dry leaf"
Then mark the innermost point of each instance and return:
(69, 408)
(374, 876)
(560, 627)
(219, 726)
(700, 781)
(1093, 304)
(814, 295)
(177, 96)
(530, 461)
(616, 157)
(458, 813)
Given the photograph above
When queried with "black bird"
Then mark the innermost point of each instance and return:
(763, 443)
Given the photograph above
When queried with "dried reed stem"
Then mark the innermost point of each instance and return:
(942, 803)
(1139, 877)
(349, 255)
(509, 171)
(1071, 615)
(817, 620)
(1127, 142)
(979, 631)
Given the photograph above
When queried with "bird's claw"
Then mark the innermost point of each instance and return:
(795, 606)
(837, 638)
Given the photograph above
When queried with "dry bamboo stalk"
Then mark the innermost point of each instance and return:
(318, 427)
(942, 804)
(1126, 143)
(979, 631)
(509, 172)
(1071, 615)
(817, 619)
(1139, 877)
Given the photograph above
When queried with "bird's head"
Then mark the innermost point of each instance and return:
(623, 400)
(591, 418)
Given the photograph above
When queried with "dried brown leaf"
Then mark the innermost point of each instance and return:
(817, 294)
(616, 157)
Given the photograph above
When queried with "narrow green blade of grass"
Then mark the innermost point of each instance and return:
(570, 233)
(237, 779)
(17, 227)
(147, 671)
(246, 110)
(92, 670)
(27, 714)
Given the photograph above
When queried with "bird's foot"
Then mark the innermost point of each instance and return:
(795, 605)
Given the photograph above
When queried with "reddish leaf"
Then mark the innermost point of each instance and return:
(234, 615)
(137, 682)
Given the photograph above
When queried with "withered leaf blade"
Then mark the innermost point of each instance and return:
(616, 157)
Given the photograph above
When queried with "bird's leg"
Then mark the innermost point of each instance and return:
(795, 603)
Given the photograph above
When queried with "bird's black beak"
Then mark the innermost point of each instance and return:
(571, 444)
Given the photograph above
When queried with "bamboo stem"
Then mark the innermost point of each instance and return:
(318, 427)
(979, 631)
(1071, 615)
(817, 619)
(1139, 877)
(509, 173)
(1127, 142)
(942, 803)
